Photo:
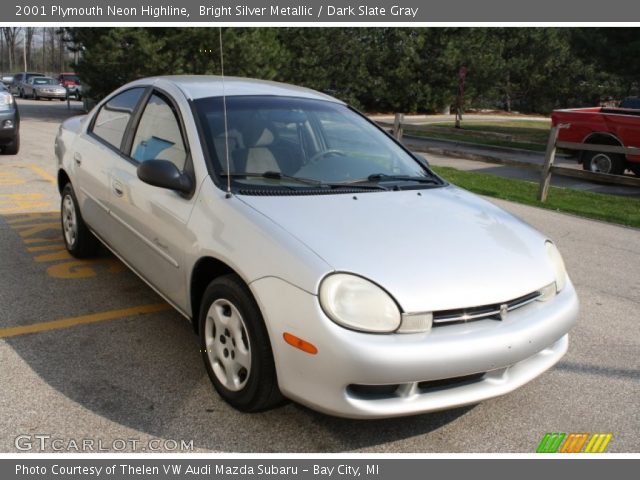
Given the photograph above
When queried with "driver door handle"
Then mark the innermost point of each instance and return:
(78, 158)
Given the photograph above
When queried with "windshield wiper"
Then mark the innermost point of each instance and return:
(307, 181)
(383, 177)
(275, 176)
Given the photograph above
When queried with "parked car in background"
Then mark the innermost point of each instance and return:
(618, 127)
(630, 102)
(43, 87)
(7, 80)
(316, 256)
(71, 82)
(19, 79)
(9, 123)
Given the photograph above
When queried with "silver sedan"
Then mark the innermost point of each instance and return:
(44, 87)
(316, 257)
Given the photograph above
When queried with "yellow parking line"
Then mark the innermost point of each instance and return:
(83, 319)
(43, 173)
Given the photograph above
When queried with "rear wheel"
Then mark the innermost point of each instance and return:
(236, 348)
(78, 239)
(602, 162)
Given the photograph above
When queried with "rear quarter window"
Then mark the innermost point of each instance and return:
(113, 117)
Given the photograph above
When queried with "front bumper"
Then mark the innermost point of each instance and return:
(8, 134)
(42, 94)
(506, 354)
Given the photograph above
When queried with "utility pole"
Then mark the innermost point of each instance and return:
(24, 50)
(44, 45)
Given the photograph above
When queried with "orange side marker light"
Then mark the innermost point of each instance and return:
(299, 343)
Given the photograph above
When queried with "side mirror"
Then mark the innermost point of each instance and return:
(164, 174)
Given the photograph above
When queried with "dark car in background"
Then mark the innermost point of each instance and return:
(631, 102)
(9, 123)
(19, 79)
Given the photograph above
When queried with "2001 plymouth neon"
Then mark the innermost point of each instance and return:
(318, 259)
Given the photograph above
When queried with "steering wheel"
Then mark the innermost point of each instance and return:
(325, 153)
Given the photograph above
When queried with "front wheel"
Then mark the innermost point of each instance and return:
(14, 147)
(601, 162)
(78, 239)
(235, 346)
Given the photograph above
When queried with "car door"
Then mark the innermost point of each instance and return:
(94, 153)
(154, 219)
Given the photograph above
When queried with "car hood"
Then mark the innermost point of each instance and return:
(431, 249)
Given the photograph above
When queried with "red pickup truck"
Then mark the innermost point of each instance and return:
(603, 126)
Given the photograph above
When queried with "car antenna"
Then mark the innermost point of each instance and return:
(224, 110)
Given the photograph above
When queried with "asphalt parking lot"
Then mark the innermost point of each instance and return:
(88, 351)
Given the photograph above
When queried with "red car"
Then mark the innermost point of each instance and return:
(71, 82)
(604, 126)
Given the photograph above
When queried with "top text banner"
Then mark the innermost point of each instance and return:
(316, 11)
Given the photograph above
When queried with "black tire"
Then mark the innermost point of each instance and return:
(634, 167)
(21, 93)
(35, 96)
(257, 387)
(83, 243)
(14, 147)
(612, 163)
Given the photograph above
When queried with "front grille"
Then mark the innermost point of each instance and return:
(463, 315)
(380, 392)
(446, 383)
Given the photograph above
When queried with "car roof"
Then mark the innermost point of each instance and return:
(202, 86)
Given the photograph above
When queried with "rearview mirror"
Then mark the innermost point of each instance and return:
(164, 174)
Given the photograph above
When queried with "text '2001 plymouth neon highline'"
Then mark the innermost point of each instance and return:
(318, 259)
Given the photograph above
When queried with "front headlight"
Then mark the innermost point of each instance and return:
(6, 101)
(356, 303)
(558, 266)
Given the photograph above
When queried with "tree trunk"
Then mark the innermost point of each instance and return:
(11, 35)
(28, 43)
(61, 50)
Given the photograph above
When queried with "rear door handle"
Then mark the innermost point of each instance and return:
(77, 157)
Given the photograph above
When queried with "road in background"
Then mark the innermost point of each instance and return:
(87, 350)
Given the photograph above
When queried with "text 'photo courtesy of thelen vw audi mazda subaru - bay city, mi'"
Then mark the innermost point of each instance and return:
(318, 259)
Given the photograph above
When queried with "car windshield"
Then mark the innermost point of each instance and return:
(297, 143)
(44, 81)
(70, 78)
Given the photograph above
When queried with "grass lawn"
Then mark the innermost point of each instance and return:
(610, 208)
(525, 134)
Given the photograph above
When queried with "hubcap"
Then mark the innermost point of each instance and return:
(227, 345)
(601, 163)
(69, 221)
